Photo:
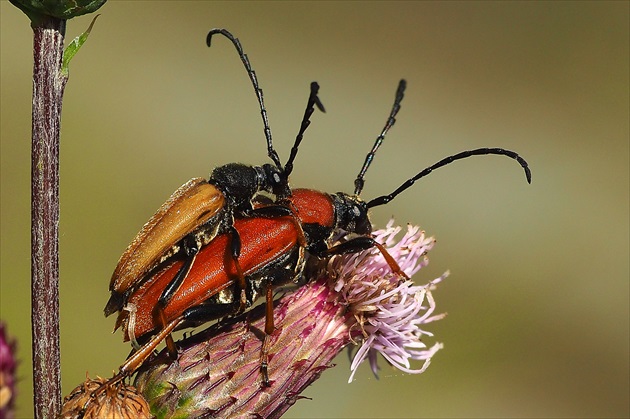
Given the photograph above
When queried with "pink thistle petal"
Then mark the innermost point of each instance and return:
(389, 310)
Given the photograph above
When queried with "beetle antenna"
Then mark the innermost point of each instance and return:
(382, 200)
(400, 93)
(313, 100)
(259, 93)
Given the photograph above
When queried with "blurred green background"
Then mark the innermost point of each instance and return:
(538, 295)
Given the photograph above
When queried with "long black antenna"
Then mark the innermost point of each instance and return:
(259, 93)
(382, 200)
(313, 100)
(400, 93)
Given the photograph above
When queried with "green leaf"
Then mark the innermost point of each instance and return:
(74, 47)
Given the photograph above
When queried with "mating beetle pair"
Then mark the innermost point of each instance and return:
(215, 246)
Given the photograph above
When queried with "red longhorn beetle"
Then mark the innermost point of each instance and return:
(271, 254)
(200, 210)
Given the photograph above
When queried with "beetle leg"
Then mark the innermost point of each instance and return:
(357, 244)
(204, 313)
(136, 359)
(235, 253)
(269, 329)
(191, 249)
(279, 277)
(170, 342)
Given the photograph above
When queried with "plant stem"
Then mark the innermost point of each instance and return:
(48, 87)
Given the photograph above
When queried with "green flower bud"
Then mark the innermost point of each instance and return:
(62, 9)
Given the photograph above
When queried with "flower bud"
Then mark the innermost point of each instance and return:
(91, 400)
(62, 9)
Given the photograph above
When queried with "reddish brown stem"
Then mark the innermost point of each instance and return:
(48, 87)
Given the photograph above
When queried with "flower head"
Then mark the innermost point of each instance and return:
(348, 299)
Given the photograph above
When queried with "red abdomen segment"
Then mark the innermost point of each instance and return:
(263, 241)
(313, 207)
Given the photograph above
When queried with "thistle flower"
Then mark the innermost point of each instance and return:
(351, 299)
(8, 366)
(387, 308)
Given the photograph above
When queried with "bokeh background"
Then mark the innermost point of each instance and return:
(538, 293)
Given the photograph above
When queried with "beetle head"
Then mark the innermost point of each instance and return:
(275, 181)
(352, 214)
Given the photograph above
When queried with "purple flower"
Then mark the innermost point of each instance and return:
(8, 366)
(349, 299)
